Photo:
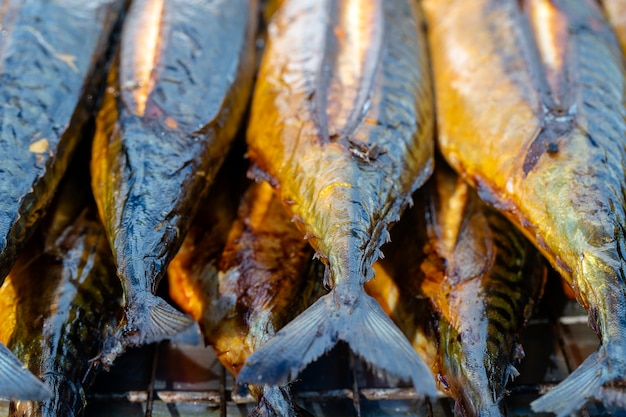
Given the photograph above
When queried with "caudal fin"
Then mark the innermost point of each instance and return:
(148, 319)
(17, 382)
(600, 377)
(362, 324)
(160, 320)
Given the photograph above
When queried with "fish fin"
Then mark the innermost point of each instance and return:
(600, 377)
(151, 319)
(512, 372)
(358, 321)
(17, 382)
(148, 319)
(299, 343)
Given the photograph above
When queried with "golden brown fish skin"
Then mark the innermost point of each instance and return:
(173, 105)
(254, 287)
(492, 279)
(535, 121)
(465, 282)
(288, 124)
(50, 76)
(341, 125)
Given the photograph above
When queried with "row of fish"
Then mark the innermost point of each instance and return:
(529, 98)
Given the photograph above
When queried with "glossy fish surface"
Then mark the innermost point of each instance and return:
(341, 125)
(50, 76)
(479, 278)
(174, 101)
(492, 278)
(251, 289)
(61, 300)
(530, 99)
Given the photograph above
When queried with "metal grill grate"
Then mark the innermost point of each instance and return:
(182, 380)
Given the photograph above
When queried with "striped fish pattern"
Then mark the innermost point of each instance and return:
(530, 99)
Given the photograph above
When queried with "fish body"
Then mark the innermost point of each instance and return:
(531, 112)
(61, 300)
(341, 125)
(480, 278)
(492, 278)
(174, 101)
(242, 296)
(52, 56)
(616, 14)
(49, 79)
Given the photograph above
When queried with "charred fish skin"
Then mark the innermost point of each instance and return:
(341, 124)
(49, 81)
(68, 269)
(168, 118)
(252, 288)
(553, 128)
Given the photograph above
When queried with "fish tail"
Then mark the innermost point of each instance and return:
(600, 377)
(277, 402)
(360, 322)
(17, 382)
(148, 319)
(151, 319)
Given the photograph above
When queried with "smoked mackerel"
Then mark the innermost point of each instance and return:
(342, 127)
(174, 101)
(530, 100)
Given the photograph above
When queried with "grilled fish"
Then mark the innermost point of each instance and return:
(483, 296)
(61, 300)
(50, 76)
(49, 79)
(341, 125)
(461, 262)
(172, 107)
(255, 287)
(531, 113)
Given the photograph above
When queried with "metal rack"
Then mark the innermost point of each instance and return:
(183, 380)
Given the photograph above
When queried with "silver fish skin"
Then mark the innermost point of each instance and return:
(173, 104)
(52, 60)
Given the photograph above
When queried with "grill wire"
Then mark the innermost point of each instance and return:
(177, 380)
